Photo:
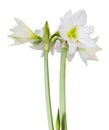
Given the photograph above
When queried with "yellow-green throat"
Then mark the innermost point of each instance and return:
(72, 33)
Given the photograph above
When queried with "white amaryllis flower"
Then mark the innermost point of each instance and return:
(72, 29)
(21, 33)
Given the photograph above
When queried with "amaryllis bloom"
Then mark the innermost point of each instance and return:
(22, 34)
(72, 29)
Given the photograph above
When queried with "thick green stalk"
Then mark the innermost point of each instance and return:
(62, 90)
(47, 91)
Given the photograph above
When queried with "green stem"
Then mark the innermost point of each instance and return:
(47, 91)
(62, 109)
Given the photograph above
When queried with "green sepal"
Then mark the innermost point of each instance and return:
(37, 41)
(58, 121)
(56, 34)
(35, 36)
(54, 39)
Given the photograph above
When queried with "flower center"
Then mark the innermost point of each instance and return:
(72, 33)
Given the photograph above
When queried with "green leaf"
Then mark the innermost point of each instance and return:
(58, 121)
(64, 122)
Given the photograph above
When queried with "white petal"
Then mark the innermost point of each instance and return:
(95, 49)
(21, 33)
(88, 53)
(86, 41)
(17, 41)
(67, 15)
(85, 29)
(72, 48)
(67, 18)
(70, 57)
(39, 32)
(52, 48)
(84, 38)
(96, 39)
(63, 31)
(80, 18)
(65, 25)
(58, 46)
(83, 56)
(39, 46)
(22, 29)
(42, 54)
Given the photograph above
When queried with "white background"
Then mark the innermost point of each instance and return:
(22, 100)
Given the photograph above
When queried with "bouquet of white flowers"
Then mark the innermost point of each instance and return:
(71, 36)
